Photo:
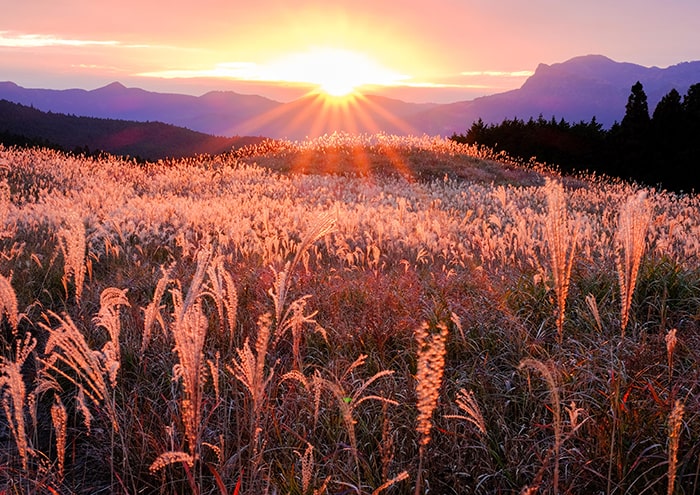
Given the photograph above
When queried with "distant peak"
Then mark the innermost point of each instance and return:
(115, 86)
(590, 58)
(581, 61)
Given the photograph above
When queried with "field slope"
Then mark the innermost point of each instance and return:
(348, 315)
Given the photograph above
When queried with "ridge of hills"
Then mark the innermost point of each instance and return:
(146, 140)
(574, 90)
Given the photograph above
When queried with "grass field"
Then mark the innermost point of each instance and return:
(356, 315)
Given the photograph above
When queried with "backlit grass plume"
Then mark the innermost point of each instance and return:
(73, 245)
(561, 236)
(431, 366)
(69, 357)
(13, 394)
(675, 422)
(630, 241)
(549, 377)
(189, 328)
(8, 303)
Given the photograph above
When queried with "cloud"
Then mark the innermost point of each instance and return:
(494, 73)
(245, 71)
(320, 66)
(10, 39)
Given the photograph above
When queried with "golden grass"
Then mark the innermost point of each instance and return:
(675, 422)
(561, 235)
(239, 266)
(630, 242)
(431, 366)
(14, 394)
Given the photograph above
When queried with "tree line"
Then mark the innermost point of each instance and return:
(661, 149)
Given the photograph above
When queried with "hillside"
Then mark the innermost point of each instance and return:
(148, 140)
(220, 325)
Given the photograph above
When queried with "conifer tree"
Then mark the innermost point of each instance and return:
(636, 119)
(668, 135)
(634, 160)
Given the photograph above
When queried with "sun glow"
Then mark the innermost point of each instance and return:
(334, 71)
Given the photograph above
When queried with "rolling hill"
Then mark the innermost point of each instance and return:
(147, 140)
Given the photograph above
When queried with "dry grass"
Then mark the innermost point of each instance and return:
(561, 235)
(14, 395)
(431, 367)
(675, 422)
(210, 326)
(630, 242)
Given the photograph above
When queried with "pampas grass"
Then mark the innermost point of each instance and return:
(630, 242)
(59, 419)
(8, 303)
(431, 366)
(553, 386)
(73, 245)
(108, 317)
(70, 357)
(675, 422)
(188, 330)
(152, 313)
(561, 236)
(225, 296)
(14, 394)
(219, 385)
(467, 403)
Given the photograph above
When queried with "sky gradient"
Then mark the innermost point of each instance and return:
(443, 50)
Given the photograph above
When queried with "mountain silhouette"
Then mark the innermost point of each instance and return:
(578, 89)
(148, 140)
(575, 90)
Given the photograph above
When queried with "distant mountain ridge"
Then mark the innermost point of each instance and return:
(575, 90)
(578, 89)
(147, 140)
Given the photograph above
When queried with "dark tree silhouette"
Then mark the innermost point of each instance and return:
(636, 117)
(691, 145)
(669, 111)
(660, 150)
(631, 139)
(667, 139)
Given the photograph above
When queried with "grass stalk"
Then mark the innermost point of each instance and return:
(561, 236)
(630, 241)
(675, 422)
(546, 372)
(431, 366)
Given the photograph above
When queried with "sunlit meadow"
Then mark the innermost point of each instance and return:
(362, 315)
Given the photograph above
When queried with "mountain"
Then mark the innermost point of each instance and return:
(578, 89)
(224, 113)
(215, 113)
(148, 140)
(314, 115)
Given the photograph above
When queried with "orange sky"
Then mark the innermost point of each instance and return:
(442, 50)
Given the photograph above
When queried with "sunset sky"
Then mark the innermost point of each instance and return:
(442, 50)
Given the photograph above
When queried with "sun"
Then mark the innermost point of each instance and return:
(336, 72)
(337, 87)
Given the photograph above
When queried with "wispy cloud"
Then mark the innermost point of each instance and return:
(15, 40)
(317, 66)
(495, 73)
(247, 71)
(109, 68)
(254, 72)
(10, 39)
